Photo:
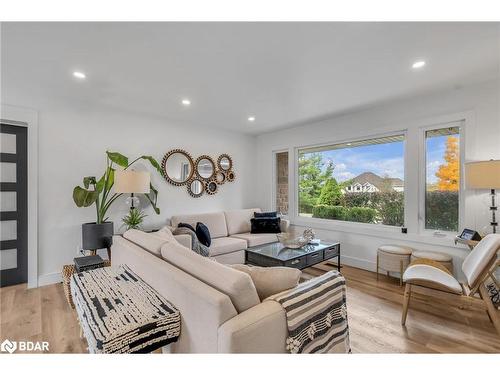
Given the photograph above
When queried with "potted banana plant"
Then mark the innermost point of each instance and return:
(98, 234)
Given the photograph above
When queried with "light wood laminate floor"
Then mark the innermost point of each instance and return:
(374, 312)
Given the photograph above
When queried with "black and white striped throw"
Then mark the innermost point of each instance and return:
(316, 315)
(120, 313)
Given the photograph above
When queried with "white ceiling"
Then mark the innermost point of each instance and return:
(282, 73)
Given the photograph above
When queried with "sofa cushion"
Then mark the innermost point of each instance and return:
(166, 233)
(203, 234)
(152, 242)
(256, 239)
(226, 245)
(215, 221)
(271, 280)
(265, 225)
(237, 285)
(265, 214)
(238, 221)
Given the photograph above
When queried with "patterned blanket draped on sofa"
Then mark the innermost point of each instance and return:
(316, 315)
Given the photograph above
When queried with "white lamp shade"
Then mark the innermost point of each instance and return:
(482, 174)
(128, 182)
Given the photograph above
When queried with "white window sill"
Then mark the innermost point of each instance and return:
(377, 230)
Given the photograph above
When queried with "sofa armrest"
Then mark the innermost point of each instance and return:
(203, 308)
(184, 240)
(260, 329)
(285, 225)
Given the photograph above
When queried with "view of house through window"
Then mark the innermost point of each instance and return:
(360, 181)
(442, 178)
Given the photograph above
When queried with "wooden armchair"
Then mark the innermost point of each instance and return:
(432, 279)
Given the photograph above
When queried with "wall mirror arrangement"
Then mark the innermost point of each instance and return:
(201, 175)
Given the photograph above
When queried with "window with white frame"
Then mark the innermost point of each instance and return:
(358, 181)
(442, 178)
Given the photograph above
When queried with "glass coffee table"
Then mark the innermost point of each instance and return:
(275, 254)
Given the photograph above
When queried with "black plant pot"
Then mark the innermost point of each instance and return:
(97, 236)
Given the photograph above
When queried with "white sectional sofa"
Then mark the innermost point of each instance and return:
(230, 232)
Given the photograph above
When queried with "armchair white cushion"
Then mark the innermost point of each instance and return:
(426, 275)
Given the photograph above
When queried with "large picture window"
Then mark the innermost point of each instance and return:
(442, 185)
(359, 181)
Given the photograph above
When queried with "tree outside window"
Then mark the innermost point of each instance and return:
(442, 179)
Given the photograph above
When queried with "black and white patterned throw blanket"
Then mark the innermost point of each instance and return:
(196, 245)
(120, 313)
(316, 315)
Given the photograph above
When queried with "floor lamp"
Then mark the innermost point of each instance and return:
(484, 175)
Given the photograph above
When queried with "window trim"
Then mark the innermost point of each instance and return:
(461, 123)
(346, 225)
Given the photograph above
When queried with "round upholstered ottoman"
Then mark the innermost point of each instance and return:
(394, 258)
(445, 259)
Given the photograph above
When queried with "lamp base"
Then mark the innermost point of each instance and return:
(493, 209)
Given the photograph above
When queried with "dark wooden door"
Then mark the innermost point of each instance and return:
(13, 204)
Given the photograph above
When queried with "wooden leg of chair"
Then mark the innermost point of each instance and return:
(492, 311)
(377, 266)
(406, 303)
(400, 273)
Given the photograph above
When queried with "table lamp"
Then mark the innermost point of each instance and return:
(132, 182)
(484, 175)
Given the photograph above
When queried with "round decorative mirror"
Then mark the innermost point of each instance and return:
(220, 177)
(177, 166)
(196, 188)
(230, 176)
(225, 162)
(211, 187)
(205, 167)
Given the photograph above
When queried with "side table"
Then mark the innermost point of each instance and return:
(69, 270)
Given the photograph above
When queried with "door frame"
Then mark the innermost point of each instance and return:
(19, 116)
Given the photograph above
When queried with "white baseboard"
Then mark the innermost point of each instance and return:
(356, 262)
(49, 278)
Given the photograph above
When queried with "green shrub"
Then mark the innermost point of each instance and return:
(323, 211)
(388, 204)
(441, 210)
(361, 199)
(361, 214)
(306, 204)
(391, 208)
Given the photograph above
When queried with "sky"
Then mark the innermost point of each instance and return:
(385, 160)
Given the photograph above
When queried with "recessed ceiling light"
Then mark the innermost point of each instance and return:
(418, 64)
(251, 118)
(349, 144)
(79, 75)
(186, 102)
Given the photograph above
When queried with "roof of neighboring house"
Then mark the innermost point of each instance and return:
(380, 183)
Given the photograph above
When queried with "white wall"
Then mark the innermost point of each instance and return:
(72, 144)
(480, 102)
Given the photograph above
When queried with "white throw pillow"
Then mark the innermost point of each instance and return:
(271, 280)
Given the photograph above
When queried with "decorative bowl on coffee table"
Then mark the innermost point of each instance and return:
(291, 242)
